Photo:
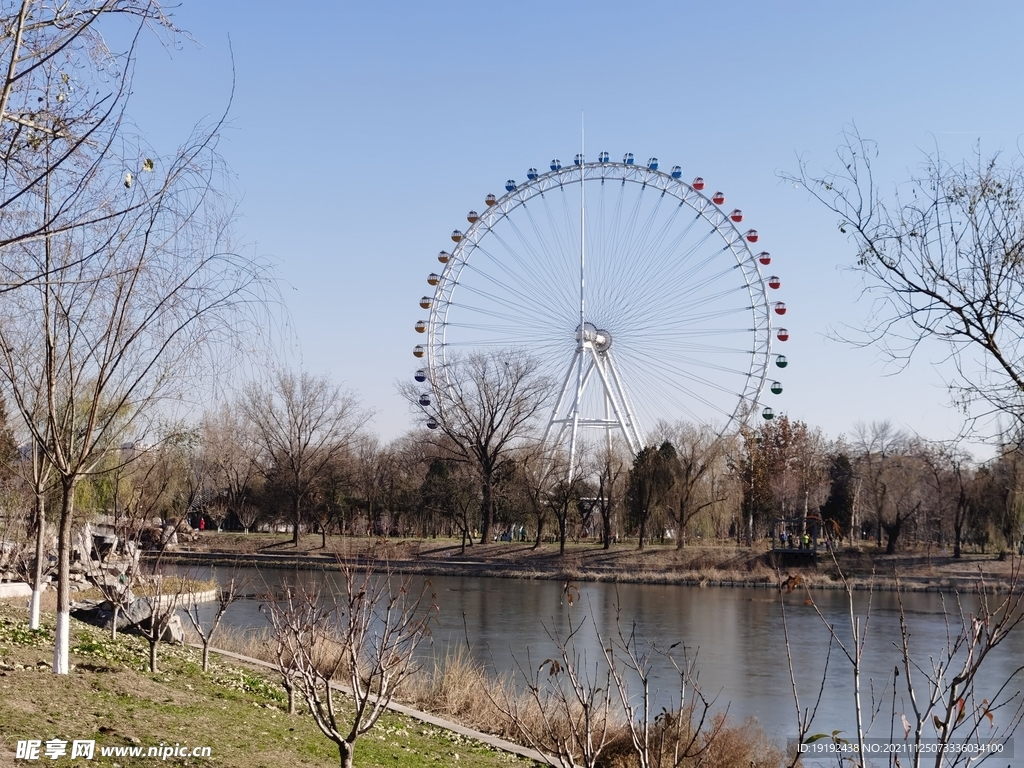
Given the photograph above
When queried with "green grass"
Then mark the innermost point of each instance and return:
(240, 713)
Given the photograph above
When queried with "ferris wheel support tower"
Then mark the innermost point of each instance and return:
(593, 355)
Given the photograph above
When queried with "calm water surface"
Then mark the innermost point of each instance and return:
(736, 635)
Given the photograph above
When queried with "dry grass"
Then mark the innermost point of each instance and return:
(459, 688)
(700, 563)
(254, 643)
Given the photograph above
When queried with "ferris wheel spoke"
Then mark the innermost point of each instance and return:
(663, 305)
(657, 389)
(683, 263)
(651, 279)
(691, 355)
(688, 363)
(559, 234)
(686, 383)
(561, 261)
(515, 304)
(636, 255)
(534, 273)
(512, 315)
(526, 287)
(553, 262)
(687, 318)
(488, 335)
(655, 253)
(672, 309)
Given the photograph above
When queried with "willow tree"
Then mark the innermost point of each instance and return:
(650, 482)
(116, 332)
(62, 99)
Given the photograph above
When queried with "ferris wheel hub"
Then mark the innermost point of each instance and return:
(598, 338)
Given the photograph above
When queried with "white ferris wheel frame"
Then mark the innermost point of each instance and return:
(616, 398)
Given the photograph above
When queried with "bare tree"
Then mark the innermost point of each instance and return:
(226, 597)
(486, 406)
(112, 336)
(945, 701)
(229, 453)
(564, 491)
(303, 423)
(611, 470)
(120, 257)
(163, 596)
(366, 635)
(449, 493)
(567, 711)
(949, 475)
(892, 469)
(942, 254)
(62, 103)
(62, 114)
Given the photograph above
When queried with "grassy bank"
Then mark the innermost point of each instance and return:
(239, 713)
(703, 564)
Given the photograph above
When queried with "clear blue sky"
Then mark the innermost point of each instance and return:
(360, 135)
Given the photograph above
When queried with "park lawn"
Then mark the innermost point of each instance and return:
(239, 713)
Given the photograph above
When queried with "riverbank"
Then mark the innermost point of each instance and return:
(699, 565)
(238, 712)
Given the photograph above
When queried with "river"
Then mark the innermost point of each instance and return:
(736, 636)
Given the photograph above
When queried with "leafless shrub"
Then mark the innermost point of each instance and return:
(366, 635)
(942, 700)
(226, 597)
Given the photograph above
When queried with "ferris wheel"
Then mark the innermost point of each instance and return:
(638, 292)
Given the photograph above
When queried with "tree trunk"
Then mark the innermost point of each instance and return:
(643, 533)
(206, 654)
(345, 752)
(486, 509)
(153, 642)
(62, 635)
(297, 519)
(892, 532)
(37, 577)
(562, 525)
(606, 523)
(113, 622)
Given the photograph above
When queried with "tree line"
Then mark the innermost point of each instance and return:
(295, 453)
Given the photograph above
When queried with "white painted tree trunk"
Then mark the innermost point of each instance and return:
(62, 638)
(37, 579)
(62, 643)
(33, 609)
